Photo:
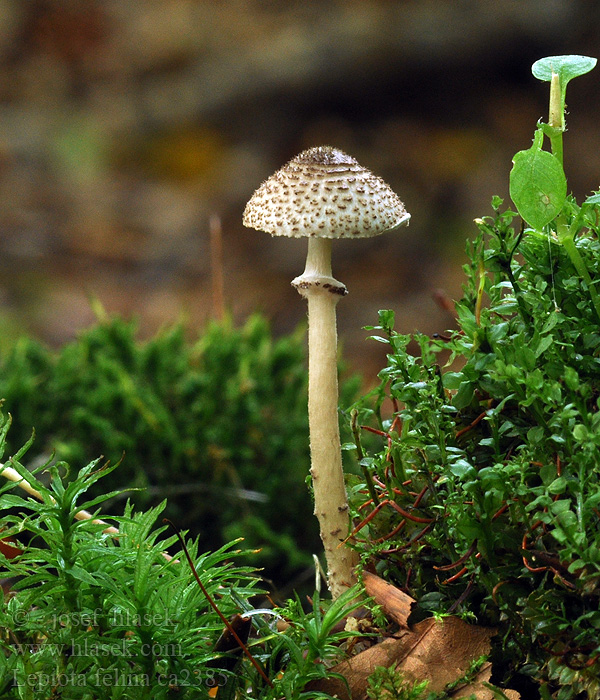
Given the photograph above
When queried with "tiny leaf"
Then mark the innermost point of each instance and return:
(567, 67)
(593, 199)
(538, 185)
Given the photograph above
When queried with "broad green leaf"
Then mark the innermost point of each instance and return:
(461, 468)
(580, 432)
(558, 485)
(567, 67)
(544, 344)
(538, 185)
(593, 199)
(464, 395)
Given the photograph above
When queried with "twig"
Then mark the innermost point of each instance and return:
(215, 607)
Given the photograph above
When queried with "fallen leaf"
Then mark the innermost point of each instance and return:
(10, 547)
(477, 688)
(439, 651)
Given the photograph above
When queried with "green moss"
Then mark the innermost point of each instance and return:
(217, 425)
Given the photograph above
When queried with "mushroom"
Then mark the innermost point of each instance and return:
(323, 194)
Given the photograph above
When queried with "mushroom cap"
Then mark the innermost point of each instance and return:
(324, 192)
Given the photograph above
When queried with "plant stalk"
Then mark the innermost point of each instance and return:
(322, 293)
(360, 454)
(556, 118)
(566, 238)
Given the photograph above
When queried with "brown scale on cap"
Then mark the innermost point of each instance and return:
(324, 192)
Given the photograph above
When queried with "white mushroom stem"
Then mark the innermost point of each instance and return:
(323, 292)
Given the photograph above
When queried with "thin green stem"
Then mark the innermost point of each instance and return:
(507, 259)
(556, 144)
(480, 290)
(556, 124)
(556, 118)
(524, 313)
(360, 454)
(568, 242)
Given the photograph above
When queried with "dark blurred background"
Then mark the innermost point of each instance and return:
(125, 125)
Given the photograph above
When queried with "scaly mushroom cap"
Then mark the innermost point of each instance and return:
(324, 192)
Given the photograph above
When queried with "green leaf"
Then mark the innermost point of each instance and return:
(558, 485)
(593, 199)
(461, 468)
(464, 395)
(567, 67)
(340, 608)
(544, 344)
(81, 575)
(538, 185)
(9, 500)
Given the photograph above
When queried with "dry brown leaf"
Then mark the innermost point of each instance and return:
(477, 688)
(395, 603)
(445, 650)
(439, 651)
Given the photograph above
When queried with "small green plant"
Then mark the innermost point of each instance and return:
(311, 644)
(386, 683)
(94, 614)
(91, 612)
(217, 426)
(538, 185)
(485, 496)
